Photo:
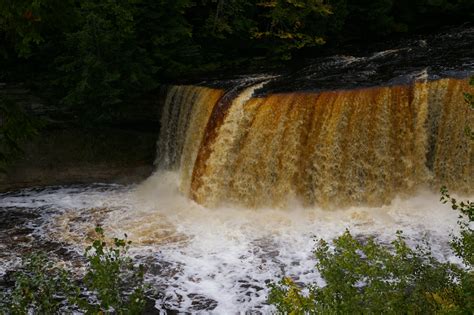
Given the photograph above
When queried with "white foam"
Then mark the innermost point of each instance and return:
(226, 254)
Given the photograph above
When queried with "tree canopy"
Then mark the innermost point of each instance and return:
(94, 54)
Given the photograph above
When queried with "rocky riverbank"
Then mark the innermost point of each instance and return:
(64, 152)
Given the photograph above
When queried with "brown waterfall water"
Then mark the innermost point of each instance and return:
(332, 149)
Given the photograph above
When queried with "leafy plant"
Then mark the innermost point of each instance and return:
(112, 283)
(40, 285)
(367, 277)
(465, 207)
(292, 24)
(103, 62)
(22, 23)
(112, 278)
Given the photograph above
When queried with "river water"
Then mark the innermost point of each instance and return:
(219, 259)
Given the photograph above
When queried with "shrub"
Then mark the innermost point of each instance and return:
(113, 279)
(367, 277)
(39, 285)
(112, 284)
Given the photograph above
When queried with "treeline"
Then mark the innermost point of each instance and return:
(89, 55)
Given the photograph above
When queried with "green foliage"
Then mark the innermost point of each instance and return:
(465, 207)
(463, 245)
(27, 24)
(218, 25)
(370, 278)
(15, 128)
(103, 62)
(289, 297)
(229, 17)
(292, 24)
(39, 285)
(164, 32)
(112, 284)
(93, 56)
(20, 25)
(109, 276)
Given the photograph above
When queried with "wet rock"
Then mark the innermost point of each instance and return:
(12, 217)
(448, 53)
(201, 302)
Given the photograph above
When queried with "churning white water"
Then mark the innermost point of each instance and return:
(221, 259)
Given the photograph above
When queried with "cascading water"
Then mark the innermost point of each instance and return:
(186, 109)
(335, 148)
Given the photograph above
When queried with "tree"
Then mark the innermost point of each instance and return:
(292, 24)
(103, 63)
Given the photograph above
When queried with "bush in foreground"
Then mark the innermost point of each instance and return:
(112, 284)
(363, 276)
(367, 277)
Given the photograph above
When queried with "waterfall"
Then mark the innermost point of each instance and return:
(330, 148)
(186, 110)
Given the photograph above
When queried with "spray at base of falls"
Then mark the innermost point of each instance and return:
(221, 259)
(333, 149)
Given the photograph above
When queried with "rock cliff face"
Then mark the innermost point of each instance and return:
(66, 153)
(67, 156)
